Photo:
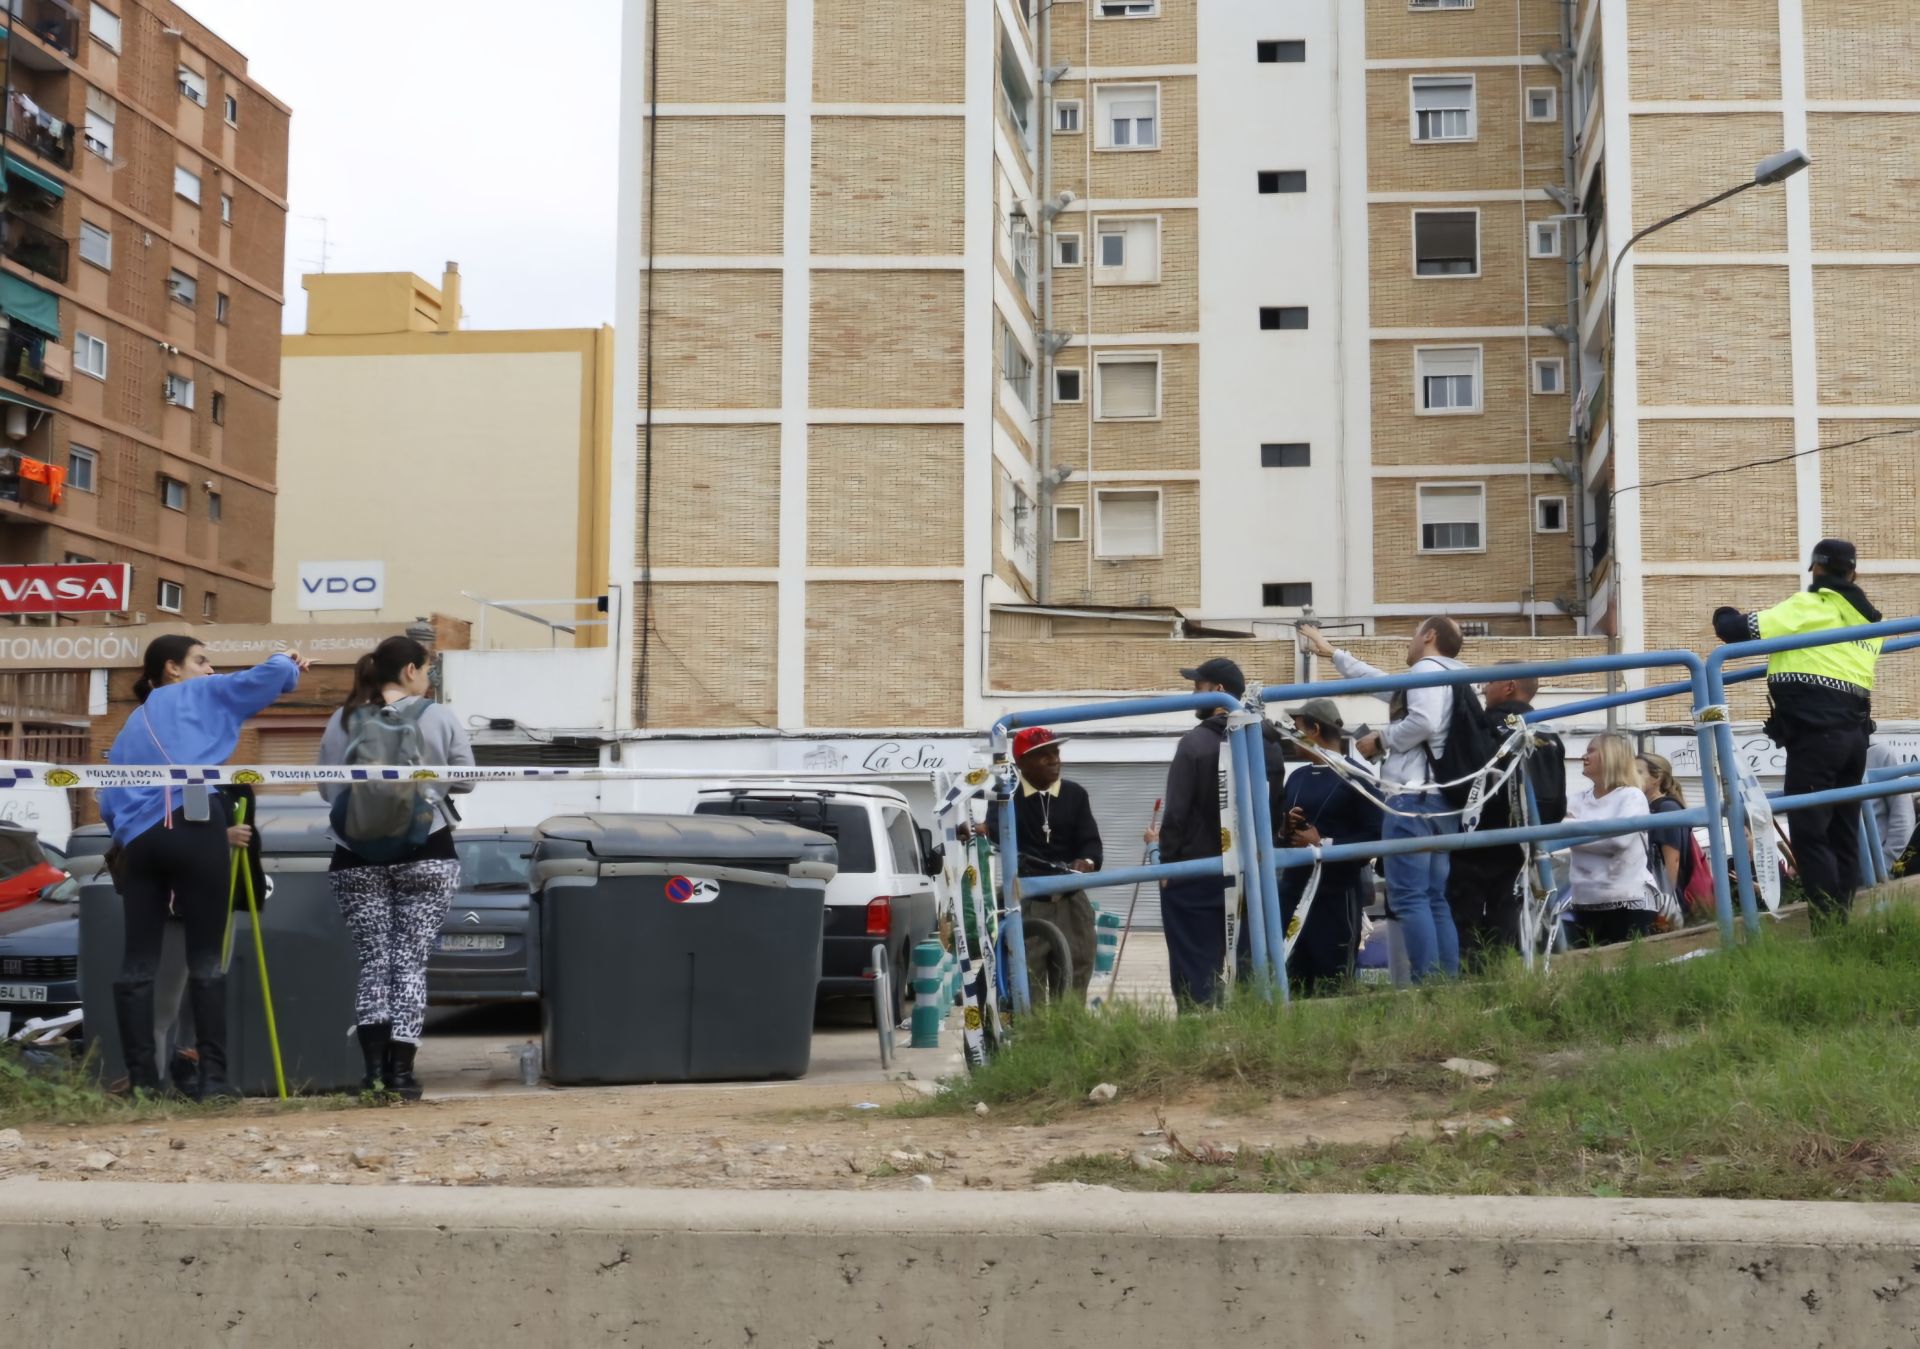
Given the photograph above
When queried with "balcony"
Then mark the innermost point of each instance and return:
(36, 248)
(26, 361)
(39, 130)
(52, 21)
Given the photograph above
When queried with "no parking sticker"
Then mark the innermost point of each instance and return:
(681, 890)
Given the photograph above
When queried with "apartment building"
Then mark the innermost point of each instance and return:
(141, 245)
(1770, 326)
(493, 444)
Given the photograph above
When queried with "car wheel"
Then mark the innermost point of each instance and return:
(898, 977)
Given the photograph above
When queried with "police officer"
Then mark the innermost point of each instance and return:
(1822, 715)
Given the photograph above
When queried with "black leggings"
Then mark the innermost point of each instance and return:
(187, 865)
(1610, 927)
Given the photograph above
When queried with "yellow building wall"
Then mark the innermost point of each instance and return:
(471, 461)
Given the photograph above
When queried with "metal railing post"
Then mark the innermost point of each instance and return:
(1251, 834)
(1267, 870)
(1007, 790)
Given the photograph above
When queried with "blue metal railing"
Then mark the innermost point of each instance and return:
(1260, 860)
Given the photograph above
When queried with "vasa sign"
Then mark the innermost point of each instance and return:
(343, 585)
(76, 588)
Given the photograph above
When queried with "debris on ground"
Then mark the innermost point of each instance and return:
(1103, 1093)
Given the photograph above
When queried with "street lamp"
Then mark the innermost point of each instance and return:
(1773, 169)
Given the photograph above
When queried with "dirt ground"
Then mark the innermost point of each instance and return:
(787, 1136)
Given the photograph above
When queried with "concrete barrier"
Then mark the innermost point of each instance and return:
(100, 1264)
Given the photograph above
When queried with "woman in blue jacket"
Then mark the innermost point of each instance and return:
(189, 716)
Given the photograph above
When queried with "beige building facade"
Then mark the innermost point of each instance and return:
(468, 463)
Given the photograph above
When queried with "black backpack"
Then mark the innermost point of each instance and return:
(1547, 771)
(1472, 741)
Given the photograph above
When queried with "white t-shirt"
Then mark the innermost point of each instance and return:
(1609, 873)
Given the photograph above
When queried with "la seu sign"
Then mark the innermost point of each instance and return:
(342, 585)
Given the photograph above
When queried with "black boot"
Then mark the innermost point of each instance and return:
(400, 1079)
(374, 1044)
(208, 996)
(133, 1010)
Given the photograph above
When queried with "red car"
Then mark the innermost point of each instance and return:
(25, 870)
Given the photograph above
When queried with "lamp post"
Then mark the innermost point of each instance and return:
(1773, 169)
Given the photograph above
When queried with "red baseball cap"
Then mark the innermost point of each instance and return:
(1033, 738)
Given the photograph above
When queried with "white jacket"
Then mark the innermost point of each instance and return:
(1610, 873)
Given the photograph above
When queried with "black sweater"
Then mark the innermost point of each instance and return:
(1059, 829)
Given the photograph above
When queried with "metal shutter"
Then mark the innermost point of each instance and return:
(535, 754)
(1123, 795)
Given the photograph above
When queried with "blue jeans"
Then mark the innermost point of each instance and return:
(1417, 885)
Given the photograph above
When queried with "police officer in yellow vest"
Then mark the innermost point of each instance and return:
(1822, 715)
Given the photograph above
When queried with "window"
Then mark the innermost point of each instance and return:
(96, 245)
(1066, 250)
(1276, 318)
(906, 850)
(1283, 180)
(172, 596)
(98, 132)
(1016, 367)
(105, 26)
(1126, 523)
(1129, 9)
(1446, 243)
(186, 183)
(83, 469)
(1066, 116)
(1126, 252)
(219, 409)
(1439, 4)
(1069, 384)
(213, 507)
(1291, 454)
(1126, 386)
(1549, 374)
(1543, 105)
(1453, 517)
(209, 604)
(1550, 515)
(173, 494)
(226, 209)
(1443, 108)
(1447, 379)
(1016, 95)
(1286, 595)
(89, 355)
(1020, 248)
(220, 303)
(183, 288)
(1543, 239)
(179, 391)
(1271, 53)
(1069, 524)
(232, 110)
(1128, 117)
(193, 85)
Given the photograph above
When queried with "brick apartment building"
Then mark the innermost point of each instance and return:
(140, 283)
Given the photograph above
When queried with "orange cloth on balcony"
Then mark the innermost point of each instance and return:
(33, 470)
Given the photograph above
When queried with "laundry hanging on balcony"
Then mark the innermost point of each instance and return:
(52, 475)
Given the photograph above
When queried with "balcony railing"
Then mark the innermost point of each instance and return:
(26, 362)
(40, 131)
(33, 247)
(49, 20)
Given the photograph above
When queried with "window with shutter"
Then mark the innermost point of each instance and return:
(1127, 252)
(1127, 523)
(1447, 379)
(1443, 109)
(1452, 517)
(1126, 387)
(1128, 117)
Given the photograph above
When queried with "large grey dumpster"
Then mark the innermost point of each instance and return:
(310, 961)
(678, 948)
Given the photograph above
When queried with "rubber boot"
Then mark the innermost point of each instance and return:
(375, 1041)
(400, 1079)
(208, 995)
(133, 1010)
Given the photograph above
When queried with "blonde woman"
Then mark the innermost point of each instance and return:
(1666, 848)
(1612, 895)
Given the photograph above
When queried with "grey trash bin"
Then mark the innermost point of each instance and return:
(310, 961)
(678, 948)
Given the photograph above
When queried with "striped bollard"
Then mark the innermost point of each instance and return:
(928, 1014)
(1107, 931)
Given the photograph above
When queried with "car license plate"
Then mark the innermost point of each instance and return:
(474, 941)
(23, 992)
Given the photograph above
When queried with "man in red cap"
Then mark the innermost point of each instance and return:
(1057, 831)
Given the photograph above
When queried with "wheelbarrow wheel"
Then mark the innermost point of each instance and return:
(1049, 961)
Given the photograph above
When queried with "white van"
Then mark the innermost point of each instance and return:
(884, 892)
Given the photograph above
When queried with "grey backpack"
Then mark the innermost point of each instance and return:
(385, 821)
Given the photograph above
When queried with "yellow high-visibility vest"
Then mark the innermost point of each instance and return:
(1816, 611)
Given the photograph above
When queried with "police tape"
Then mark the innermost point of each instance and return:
(91, 777)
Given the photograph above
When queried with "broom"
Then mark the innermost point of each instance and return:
(241, 877)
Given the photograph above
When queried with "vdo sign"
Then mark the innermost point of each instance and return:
(343, 585)
(77, 588)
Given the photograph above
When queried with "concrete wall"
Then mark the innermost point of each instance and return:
(93, 1264)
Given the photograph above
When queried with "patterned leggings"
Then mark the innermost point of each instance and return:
(395, 914)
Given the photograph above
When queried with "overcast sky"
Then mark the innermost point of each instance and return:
(477, 130)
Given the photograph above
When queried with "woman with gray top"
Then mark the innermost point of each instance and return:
(394, 868)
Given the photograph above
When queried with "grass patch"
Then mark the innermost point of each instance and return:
(1786, 1069)
(55, 1089)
